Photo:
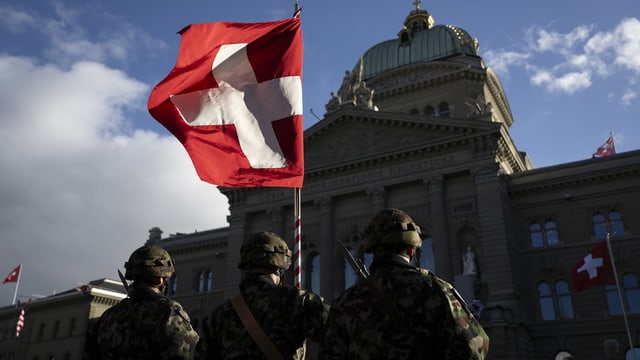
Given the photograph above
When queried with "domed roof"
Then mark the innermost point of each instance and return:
(418, 41)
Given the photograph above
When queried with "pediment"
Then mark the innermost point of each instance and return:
(356, 135)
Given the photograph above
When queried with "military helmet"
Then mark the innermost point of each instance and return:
(265, 251)
(149, 261)
(391, 227)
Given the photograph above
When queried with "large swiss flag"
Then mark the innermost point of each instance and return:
(234, 100)
(594, 269)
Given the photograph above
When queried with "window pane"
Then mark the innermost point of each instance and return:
(616, 224)
(535, 234)
(547, 310)
(565, 305)
(551, 233)
(425, 255)
(632, 292)
(613, 300)
(599, 226)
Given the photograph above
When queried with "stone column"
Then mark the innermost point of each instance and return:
(439, 232)
(327, 248)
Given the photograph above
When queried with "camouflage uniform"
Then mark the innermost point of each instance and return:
(145, 325)
(400, 311)
(287, 315)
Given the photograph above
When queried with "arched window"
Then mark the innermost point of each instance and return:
(558, 302)
(429, 110)
(543, 236)
(311, 273)
(414, 111)
(551, 233)
(611, 224)
(535, 234)
(209, 280)
(631, 296)
(425, 255)
(545, 297)
(200, 287)
(632, 292)
(565, 305)
(616, 226)
(174, 284)
(443, 109)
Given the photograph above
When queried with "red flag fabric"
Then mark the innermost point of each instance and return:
(234, 100)
(13, 276)
(594, 269)
(20, 323)
(608, 148)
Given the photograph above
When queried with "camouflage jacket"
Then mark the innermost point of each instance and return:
(287, 315)
(402, 312)
(145, 325)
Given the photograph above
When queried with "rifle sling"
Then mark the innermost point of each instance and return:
(257, 333)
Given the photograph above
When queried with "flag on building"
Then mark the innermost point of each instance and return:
(13, 276)
(234, 100)
(20, 323)
(608, 148)
(594, 269)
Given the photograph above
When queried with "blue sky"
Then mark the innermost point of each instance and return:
(87, 171)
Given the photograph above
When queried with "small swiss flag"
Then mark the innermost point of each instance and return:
(13, 276)
(594, 269)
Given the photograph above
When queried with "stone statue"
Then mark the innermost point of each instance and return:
(346, 92)
(333, 104)
(469, 262)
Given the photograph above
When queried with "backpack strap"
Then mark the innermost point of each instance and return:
(257, 333)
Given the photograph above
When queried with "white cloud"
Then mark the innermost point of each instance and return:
(628, 97)
(557, 42)
(83, 188)
(501, 61)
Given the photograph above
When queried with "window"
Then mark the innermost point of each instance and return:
(543, 236)
(311, 274)
(546, 301)
(209, 280)
(551, 233)
(429, 110)
(425, 257)
(72, 326)
(535, 234)
(555, 303)
(631, 296)
(56, 329)
(565, 305)
(443, 109)
(200, 284)
(609, 224)
(632, 292)
(174, 284)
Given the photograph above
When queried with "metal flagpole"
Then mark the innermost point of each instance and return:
(297, 251)
(624, 312)
(15, 293)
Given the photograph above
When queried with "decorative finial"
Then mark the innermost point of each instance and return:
(417, 4)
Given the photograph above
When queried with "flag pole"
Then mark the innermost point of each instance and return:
(624, 312)
(15, 293)
(297, 238)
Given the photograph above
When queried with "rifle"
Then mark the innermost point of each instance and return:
(358, 267)
(124, 282)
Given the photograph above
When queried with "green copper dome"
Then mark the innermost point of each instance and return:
(419, 41)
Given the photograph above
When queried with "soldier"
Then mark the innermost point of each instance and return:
(146, 324)
(265, 320)
(400, 311)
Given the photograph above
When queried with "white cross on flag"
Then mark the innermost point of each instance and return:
(593, 269)
(234, 100)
